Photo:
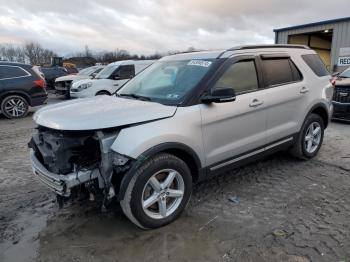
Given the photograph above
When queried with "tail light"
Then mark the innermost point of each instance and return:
(333, 81)
(40, 83)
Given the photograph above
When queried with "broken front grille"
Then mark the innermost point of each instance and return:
(63, 151)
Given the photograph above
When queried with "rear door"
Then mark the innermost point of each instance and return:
(285, 91)
(234, 128)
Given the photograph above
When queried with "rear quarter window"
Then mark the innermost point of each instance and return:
(8, 72)
(316, 64)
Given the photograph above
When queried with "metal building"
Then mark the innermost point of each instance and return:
(330, 39)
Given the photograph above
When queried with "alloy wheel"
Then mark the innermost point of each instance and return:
(163, 194)
(313, 137)
(15, 107)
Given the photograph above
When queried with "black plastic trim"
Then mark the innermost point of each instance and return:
(247, 47)
(271, 56)
(287, 144)
(324, 107)
(153, 151)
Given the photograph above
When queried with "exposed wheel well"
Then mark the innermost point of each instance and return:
(322, 113)
(103, 92)
(188, 159)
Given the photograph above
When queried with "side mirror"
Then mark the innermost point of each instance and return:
(93, 75)
(219, 95)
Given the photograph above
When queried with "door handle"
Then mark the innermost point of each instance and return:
(304, 90)
(256, 103)
(116, 84)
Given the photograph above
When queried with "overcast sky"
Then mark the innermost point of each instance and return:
(146, 26)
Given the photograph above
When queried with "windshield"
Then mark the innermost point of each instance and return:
(88, 71)
(167, 82)
(106, 72)
(345, 74)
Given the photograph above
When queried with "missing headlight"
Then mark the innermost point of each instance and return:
(120, 160)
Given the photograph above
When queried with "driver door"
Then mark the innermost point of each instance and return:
(122, 75)
(232, 130)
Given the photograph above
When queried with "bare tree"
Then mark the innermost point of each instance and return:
(36, 54)
(12, 53)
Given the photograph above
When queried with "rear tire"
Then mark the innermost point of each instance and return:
(310, 138)
(101, 93)
(14, 106)
(158, 192)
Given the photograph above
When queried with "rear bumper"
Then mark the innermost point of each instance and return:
(38, 101)
(341, 111)
(60, 184)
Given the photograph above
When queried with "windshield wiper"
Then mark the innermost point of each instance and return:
(144, 98)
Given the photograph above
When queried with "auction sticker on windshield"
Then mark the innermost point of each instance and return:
(199, 63)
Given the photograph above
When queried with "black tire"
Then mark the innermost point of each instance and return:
(14, 106)
(132, 203)
(101, 93)
(299, 149)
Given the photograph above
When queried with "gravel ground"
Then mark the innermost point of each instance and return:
(283, 210)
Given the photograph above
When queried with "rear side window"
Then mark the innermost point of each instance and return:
(280, 71)
(8, 72)
(316, 64)
(241, 76)
(126, 71)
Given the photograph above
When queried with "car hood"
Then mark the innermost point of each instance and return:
(100, 112)
(71, 78)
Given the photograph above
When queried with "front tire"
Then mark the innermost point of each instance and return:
(14, 106)
(158, 192)
(309, 139)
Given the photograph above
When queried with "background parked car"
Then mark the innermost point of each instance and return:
(51, 73)
(21, 86)
(341, 96)
(110, 79)
(63, 83)
(72, 70)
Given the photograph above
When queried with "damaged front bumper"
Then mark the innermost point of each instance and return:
(61, 184)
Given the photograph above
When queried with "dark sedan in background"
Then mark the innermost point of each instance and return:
(21, 86)
(341, 97)
(51, 73)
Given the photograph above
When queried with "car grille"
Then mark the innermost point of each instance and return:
(341, 94)
(63, 84)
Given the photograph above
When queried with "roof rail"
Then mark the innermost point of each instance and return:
(243, 47)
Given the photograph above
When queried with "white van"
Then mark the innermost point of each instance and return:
(63, 83)
(110, 79)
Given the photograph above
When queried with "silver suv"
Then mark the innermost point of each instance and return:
(185, 117)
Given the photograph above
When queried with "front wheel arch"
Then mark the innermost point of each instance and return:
(321, 110)
(179, 150)
(103, 92)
